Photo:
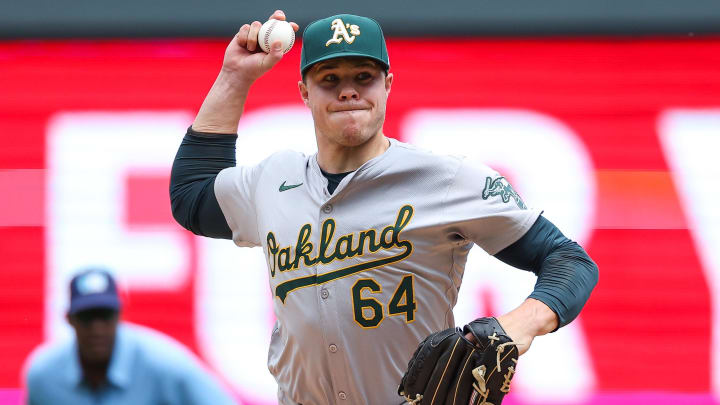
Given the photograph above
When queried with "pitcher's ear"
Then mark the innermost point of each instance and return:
(302, 88)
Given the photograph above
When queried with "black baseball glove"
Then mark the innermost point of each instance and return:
(449, 369)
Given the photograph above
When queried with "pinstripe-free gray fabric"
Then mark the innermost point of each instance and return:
(346, 268)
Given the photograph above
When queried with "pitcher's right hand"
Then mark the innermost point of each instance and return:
(245, 59)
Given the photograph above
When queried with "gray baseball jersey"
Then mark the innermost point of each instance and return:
(361, 276)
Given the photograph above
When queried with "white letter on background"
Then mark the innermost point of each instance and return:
(691, 142)
(90, 155)
(552, 170)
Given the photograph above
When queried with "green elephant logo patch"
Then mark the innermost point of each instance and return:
(499, 186)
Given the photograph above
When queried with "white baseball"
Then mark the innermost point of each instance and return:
(276, 30)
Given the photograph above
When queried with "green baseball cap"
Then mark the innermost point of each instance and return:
(341, 36)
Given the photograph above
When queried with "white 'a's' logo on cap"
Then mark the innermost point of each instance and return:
(341, 32)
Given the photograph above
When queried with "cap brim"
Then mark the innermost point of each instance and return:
(345, 55)
(96, 301)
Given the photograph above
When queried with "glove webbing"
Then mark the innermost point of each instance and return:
(478, 373)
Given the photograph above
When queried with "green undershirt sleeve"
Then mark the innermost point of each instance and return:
(200, 157)
(566, 274)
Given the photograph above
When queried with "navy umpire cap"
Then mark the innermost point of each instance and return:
(93, 289)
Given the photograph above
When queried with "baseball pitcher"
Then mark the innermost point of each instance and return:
(366, 240)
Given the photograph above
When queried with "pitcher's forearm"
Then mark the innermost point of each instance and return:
(223, 106)
(533, 316)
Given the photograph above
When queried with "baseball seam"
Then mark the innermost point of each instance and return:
(267, 35)
(290, 45)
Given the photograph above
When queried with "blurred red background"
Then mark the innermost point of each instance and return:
(651, 314)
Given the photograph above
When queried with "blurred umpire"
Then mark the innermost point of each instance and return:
(109, 362)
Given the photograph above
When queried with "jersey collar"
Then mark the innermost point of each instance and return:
(365, 167)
